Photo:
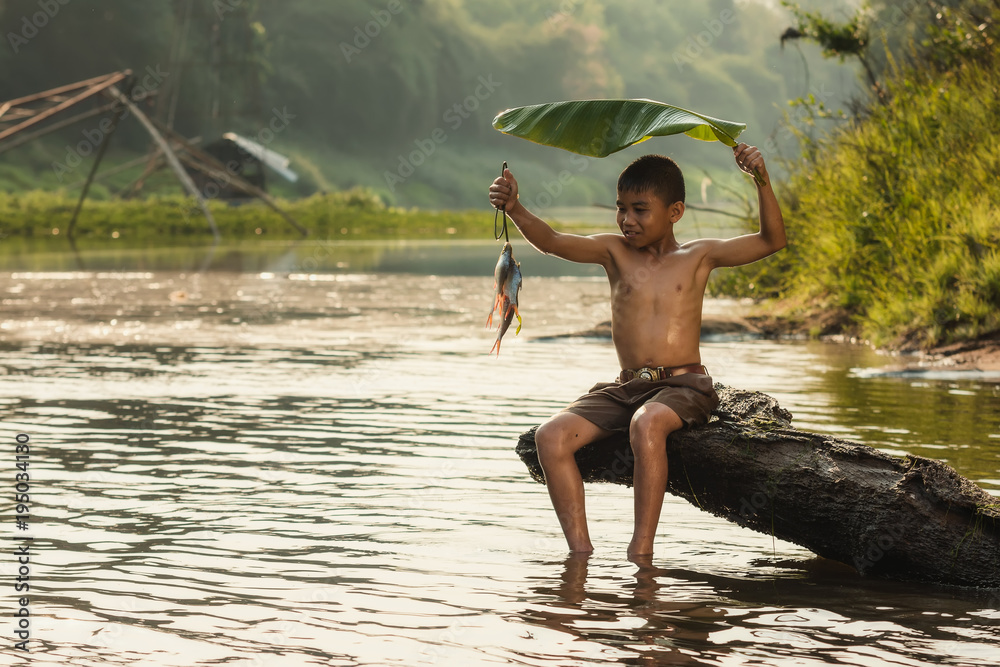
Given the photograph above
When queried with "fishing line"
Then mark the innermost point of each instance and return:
(496, 234)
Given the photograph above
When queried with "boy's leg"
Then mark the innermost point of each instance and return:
(648, 432)
(556, 441)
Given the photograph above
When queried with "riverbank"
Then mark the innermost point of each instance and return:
(975, 355)
(981, 353)
(353, 214)
(891, 218)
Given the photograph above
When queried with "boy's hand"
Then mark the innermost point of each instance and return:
(503, 192)
(750, 160)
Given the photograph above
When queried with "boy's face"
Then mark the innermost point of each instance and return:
(644, 218)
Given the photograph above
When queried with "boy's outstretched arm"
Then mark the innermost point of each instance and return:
(572, 247)
(771, 237)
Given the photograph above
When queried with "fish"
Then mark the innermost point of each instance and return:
(507, 293)
(500, 273)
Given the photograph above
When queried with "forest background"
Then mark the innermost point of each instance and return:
(398, 95)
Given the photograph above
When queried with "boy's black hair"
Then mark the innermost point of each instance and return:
(654, 173)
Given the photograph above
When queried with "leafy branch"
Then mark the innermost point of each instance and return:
(837, 39)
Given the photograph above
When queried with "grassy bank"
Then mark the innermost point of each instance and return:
(354, 215)
(893, 228)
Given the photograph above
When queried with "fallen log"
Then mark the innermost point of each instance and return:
(910, 518)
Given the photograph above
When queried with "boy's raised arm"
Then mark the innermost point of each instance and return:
(771, 237)
(572, 247)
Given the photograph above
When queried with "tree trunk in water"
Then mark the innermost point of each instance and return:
(911, 518)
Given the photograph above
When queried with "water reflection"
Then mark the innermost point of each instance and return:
(656, 618)
(667, 616)
(455, 258)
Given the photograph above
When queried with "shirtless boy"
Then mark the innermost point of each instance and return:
(657, 289)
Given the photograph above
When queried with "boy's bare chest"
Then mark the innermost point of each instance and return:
(673, 280)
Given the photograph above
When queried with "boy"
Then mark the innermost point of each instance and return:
(657, 288)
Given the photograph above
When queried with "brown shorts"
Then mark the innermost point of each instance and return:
(611, 405)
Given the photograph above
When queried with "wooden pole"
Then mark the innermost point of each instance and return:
(119, 112)
(117, 169)
(154, 161)
(108, 81)
(24, 138)
(169, 154)
(62, 89)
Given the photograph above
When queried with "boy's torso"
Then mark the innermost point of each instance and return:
(656, 303)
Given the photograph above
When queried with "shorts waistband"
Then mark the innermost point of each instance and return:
(661, 372)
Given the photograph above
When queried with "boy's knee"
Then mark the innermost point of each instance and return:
(559, 437)
(653, 421)
(545, 434)
(548, 440)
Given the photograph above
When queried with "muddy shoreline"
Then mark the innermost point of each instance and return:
(980, 354)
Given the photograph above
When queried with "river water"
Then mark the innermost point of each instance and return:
(304, 455)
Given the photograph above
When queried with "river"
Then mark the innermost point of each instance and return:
(304, 455)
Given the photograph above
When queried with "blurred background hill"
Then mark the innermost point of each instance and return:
(399, 95)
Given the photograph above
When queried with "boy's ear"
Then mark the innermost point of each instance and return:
(676, 211)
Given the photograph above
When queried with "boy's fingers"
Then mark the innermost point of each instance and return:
(748, 158)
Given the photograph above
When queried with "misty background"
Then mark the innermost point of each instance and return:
(398, 95)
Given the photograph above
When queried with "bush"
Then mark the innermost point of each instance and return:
(891, 219)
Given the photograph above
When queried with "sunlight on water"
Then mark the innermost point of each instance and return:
(301, 469)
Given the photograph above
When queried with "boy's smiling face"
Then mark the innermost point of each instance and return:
(644, 219)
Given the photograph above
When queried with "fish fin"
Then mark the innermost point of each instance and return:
(489, 320)
(496, 346)
(513, 306)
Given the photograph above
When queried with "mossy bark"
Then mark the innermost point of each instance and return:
(911, 518)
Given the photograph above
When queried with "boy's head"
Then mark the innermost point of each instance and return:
(654, 173)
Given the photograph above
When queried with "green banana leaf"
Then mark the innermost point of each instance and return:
(599, 128)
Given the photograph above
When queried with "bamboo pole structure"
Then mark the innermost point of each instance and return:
(118, 114)
(30, 136)
(25, 112)
(95, 86)
(170, 156)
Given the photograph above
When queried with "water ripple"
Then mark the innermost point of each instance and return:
(256, 500)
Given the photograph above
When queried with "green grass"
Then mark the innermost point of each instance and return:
(36, 222)
(893, 221)
(354, 214)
